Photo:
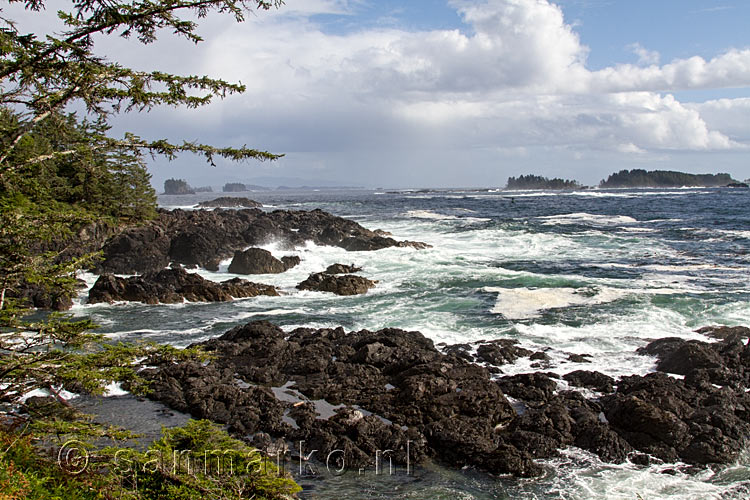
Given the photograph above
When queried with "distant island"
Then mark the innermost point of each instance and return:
(539, 182)
(234, 187)
(177, 186)
(664, 178)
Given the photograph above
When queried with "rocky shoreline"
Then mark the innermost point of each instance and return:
(355, 394)
(201, 238)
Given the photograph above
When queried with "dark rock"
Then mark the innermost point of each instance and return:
(501, 351)
(579, 358)
(400, 393)
(230, 202)
(171, 286)
(363, 391)
(256, 261)
(290, 261)
(528, 386)
(342, 269)
(724, 332)
(340, 285)
(138, 249)
(41, 297)
(593, 380)
(539, 355)
(203, 238)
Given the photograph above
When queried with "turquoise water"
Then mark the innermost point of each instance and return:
(590, 272)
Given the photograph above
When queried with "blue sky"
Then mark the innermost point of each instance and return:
(464, 92)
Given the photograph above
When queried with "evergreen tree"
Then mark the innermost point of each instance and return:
(58, 171)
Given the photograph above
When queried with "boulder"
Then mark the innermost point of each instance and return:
(342, 269)
(340, 285)
(256, 261)
(592, 380)
(171, 286)
(290, 261)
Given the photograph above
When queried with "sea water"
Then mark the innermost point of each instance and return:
(596, 272)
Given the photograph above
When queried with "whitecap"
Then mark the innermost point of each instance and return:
(586, 218)
(525, 303)
(428, 214)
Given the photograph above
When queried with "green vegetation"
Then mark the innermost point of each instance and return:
(663, 178)
(177, 186)
(538, 182)
(63, 176)
(196, 461)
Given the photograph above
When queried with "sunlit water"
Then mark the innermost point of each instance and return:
(589, 272)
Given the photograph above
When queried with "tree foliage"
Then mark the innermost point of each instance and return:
(41, 77)
(663, 178)
(60, 171)
(539, 182)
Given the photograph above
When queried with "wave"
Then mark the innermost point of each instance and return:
(526, 303)
(428, 214)
(584, 218)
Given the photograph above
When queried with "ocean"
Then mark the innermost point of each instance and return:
(596, 272)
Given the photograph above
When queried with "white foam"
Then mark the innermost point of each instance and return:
(525, 303)
(583, 476)
(586, 218)
(428, 214)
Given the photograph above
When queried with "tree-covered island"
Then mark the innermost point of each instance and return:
(664, 178)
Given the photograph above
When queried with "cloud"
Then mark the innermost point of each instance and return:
(645, 56)
(513, 78)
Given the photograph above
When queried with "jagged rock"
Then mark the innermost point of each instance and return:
(724, 332)
(230, 202)
(256, 261)
(593, 380)
(203, 238)
(340, 285)
(391, 389)
(342, 269)
(290, 261)
(396, 390)
(501, 351)
(171, 286)
(579, 358)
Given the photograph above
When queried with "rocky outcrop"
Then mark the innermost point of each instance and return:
(342, 269)
(366, 391)
(230, 202)
(358, 392)
(290, 261)
(348, 284)
(259, 261)
(170, 286)
(204, 238)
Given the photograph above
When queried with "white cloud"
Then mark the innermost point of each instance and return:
(513, 80)
(645, 56)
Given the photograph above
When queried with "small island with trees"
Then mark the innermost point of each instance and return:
(177, 186)
(539, 182)
(665, 178)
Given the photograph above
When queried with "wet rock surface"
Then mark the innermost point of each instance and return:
(204, 238)
(259, 261)
(342, 269)
(347, 284)
(230, 202)
(170, 286)
(366, 391)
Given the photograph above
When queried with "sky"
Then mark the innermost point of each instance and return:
(460, 93)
